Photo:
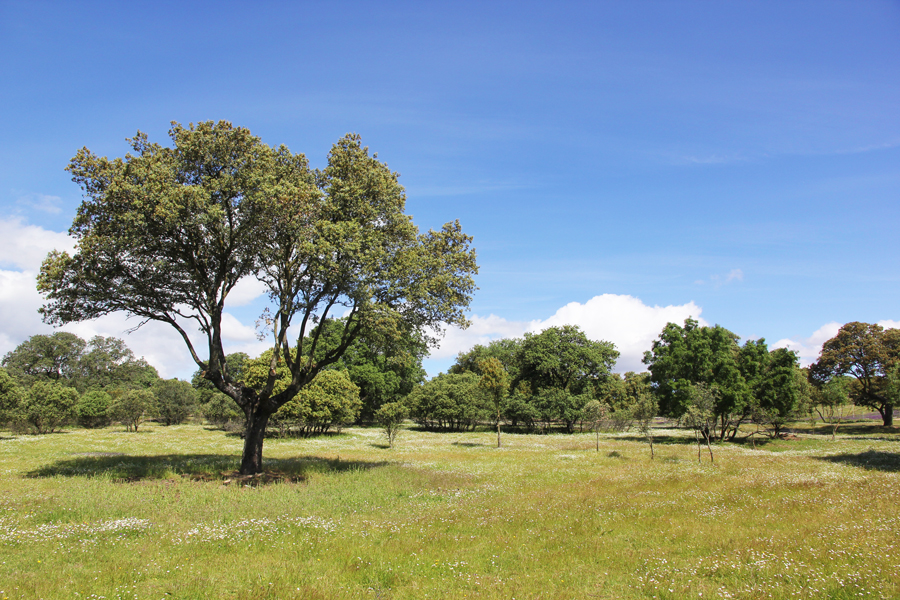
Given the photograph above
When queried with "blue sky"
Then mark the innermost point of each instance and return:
(619, 164)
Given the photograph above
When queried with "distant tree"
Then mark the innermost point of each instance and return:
(48, 406)
(644, 411)
(175, 400)
(107, 363)
(449, 401)
(831, 401)
(519, 409)
(11, 395)
(495, 383)
(391, 416)
(782, 392)
(220, 410)
(507, 351)
(594, 413)
(53, 357)
(866, 352)
(131, 408)
(565, 359)
(385, 368)
(92, 409)
(689, 355)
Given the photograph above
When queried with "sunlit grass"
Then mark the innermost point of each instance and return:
(160, 514)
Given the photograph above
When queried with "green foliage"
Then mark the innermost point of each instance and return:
(507, 351)
(48, 406)
(700, 414)
(831, 401)
(868, 353)
(175, 400)
(782, 392)
(495, 383)
(689, 355)
(11, 396)
(331, 400)
(563, 358)
(165, 234)
(92, 409)
(385, 368)
(449, 402)
(131, 408)
(102, 363)
(391, 416)
(220, 410)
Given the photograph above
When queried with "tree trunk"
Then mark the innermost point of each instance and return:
(498, 430)
(888, 415)
(254, 435)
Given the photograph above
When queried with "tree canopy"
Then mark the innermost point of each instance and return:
(165, 233)
(868, 353)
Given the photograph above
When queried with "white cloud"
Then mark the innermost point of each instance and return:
(808, 348)
(25, 246)
(624, 320)
(889, 324)
(41, 202)
(245, 291)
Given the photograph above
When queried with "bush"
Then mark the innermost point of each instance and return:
(452, 401)
(220, 410)
(330, 400)
(175, 400)
(11, 396)
(390, 416)
(131, 407)
(49, 406)
(92, 409)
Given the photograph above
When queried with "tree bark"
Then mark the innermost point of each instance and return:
(254, 436)
(888, 415)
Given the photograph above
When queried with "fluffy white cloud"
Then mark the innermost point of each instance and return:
(245, 291)
(624, 320)
(25, 246)
(808, 348)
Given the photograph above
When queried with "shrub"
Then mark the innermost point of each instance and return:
(92, 409)
(220, 410)
(390, 416)
(175, 400)
(11, 395)
(330, 400)
(49, 406)
(131, 407)
(449, 401)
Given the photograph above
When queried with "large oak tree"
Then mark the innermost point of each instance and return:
(868, 352)
(165, 233)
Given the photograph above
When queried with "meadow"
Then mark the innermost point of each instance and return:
(160, 514)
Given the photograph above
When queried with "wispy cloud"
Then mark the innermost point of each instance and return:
(41, 202)
(720, 280)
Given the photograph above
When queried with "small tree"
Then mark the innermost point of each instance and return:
(495, 382)
(644, 411)
(331, 400)
(175, 400)
(594, 413)
(831, 402)
(131, 407)
(93, 409)
(390, 416)
(700, 415)
(49, 406)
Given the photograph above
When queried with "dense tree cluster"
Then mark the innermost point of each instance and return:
(50, 381)
(742, 383)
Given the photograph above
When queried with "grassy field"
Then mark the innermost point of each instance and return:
(156, 514)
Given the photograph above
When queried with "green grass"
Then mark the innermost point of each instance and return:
(159, 514)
